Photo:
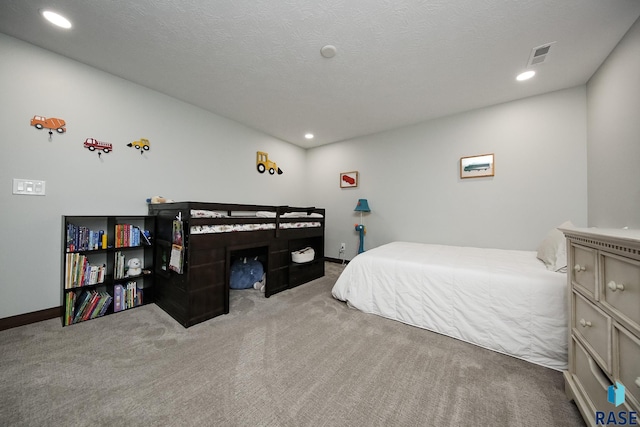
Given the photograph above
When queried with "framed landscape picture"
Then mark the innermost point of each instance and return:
(477, 166)
(348, 179)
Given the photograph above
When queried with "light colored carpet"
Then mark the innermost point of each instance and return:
(299, 358)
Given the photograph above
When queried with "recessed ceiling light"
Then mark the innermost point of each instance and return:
(308, 135)
(526, 75)
(56, 19)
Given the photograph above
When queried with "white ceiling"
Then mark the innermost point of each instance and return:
(398, 62)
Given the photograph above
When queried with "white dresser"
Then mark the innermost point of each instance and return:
(604, 299)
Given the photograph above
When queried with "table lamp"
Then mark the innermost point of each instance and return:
(362, 206)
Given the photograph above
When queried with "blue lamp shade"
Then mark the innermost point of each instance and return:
(362, 206)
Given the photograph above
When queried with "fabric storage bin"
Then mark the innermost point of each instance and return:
(303, 255)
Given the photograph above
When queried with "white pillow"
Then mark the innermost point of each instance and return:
(553, 249)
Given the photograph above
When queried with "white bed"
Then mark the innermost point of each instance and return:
(503, 300)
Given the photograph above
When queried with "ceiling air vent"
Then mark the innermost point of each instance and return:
(540, 54)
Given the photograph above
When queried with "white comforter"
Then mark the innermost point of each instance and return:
(503, 300)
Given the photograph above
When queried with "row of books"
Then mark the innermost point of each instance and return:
(78, 271)
(126, 296)
(127, 235)
(88, 305)
(80, 238)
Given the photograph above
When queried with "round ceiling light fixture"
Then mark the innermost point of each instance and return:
(308, 135)
(525, 76)
(328, 51)
(56, 19)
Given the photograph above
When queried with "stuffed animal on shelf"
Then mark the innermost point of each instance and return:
(159, 199)
(134, 267)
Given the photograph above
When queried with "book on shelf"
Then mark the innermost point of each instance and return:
(83, 300)
(79, 272)
(95, 297)
(69, 308)
(103, 299)
(100, 300)
(90, 304)
(107, 302)
(119, 265)
(118, 295)
(139, 294)
(134, 295)
(177, 258)
(127, 296)
(81, 238)
(131, 294)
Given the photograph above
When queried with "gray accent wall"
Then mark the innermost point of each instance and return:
(195, 155)
(411, 177)
(613, 147)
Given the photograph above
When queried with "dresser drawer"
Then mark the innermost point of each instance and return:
(621, 288)
(584, 263)
(628, 364)
(594, 327)
(592, 382)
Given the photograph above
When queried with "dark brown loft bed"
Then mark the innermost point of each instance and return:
(214, 234)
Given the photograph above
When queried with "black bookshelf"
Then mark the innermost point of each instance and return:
(99, 275)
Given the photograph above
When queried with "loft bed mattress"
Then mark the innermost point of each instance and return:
(258, 225)
(228, 228)
(202, 213)
(502, 300)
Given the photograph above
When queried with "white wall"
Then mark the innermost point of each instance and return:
(614, 137)
(411, 179)
(195, 155)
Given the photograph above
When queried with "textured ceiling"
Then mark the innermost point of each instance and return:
(398, 62)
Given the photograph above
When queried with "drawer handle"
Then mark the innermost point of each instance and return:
(638, 381)
(578, 268)
(585, 323)
(613, 286)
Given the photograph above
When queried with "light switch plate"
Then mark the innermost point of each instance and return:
(28, 187)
